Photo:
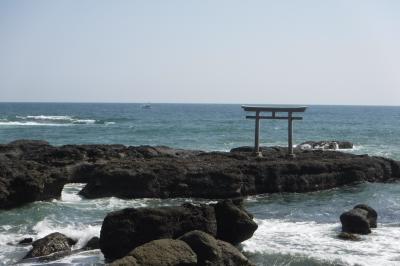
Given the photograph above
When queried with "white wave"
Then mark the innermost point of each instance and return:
(83, 121)
(70, 192)
(58, 118)
(78, 231)
(90, 257)
(46, 117)
(15, 123)
(319, 241)
(47, 120)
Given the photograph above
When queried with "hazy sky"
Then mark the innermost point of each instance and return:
(307, 52)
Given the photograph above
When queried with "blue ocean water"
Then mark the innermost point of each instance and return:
(294, 229)
(373, 129)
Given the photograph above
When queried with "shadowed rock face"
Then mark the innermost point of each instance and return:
(35, 170)
(124, 230)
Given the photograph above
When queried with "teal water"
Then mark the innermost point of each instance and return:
(294, 229)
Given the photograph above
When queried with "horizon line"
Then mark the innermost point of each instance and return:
(199, 103)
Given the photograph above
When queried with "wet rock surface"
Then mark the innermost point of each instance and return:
(53, 243)
(35, 170)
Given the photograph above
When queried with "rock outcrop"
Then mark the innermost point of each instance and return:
(234, 223)
(35, 170)
(359, 220)
(124, 230)
(53, 243)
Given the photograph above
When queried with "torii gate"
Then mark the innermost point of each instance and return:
(274, 110)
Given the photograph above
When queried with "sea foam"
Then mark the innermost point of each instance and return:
(319, 241)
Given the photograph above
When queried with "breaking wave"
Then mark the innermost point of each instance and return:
(50, 120)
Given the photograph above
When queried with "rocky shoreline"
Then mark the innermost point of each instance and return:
(34, 170)
(190, 234)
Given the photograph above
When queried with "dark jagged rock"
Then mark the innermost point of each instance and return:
(25, 241)
(93, 243)
(213, 252)
(355, 221)
(372, 215)
(35, 170)
(53, 243)
(234, 224)
(124, 230)
(162, 252)
(228, 175)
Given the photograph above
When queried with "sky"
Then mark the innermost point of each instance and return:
(216, 51)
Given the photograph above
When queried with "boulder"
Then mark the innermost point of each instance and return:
(162, 252)
(372, 215)
(235, 225)
(93, 243)
(205, 246)
(213, 252)
(124, 230)
(231, 256)
(55, 242)
(355, 221)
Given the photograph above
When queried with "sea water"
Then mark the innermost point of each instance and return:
(294, 229)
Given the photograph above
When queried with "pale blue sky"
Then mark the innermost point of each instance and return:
(308, 52)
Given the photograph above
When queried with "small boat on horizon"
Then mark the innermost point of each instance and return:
(146, 106)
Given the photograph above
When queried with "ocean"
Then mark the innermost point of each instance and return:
(294, 229)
